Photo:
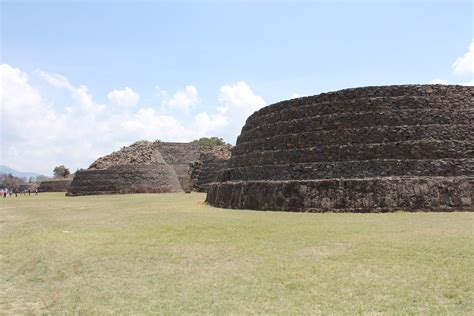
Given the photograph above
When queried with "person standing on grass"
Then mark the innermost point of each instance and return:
(36, 191)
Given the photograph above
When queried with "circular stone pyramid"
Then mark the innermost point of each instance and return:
(139, 168)
(372, 149)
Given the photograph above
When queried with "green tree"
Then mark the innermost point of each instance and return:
(210, 141)
(61, 171)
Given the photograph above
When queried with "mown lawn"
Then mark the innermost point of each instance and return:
(173, 254)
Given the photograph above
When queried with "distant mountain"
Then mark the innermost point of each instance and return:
(16, 173)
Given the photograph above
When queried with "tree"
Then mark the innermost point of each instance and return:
(11, 182)
(210, 141)
(61, 172)
(42, 178)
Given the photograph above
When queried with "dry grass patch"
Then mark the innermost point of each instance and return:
(319, 252)
(173, 254)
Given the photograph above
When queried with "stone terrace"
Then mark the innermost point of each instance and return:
(365, 149)
(144, 167)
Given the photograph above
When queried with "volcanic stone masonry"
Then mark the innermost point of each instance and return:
(212, 161)
(373, 149)
(143, 167)
(61, 185)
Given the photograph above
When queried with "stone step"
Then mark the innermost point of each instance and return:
(125, 179)
(456, 94)
(54, 185)
(352, 169)
(366, 135)
(358, 120)
(403, 103)
(381, 194)
(179, 153)
(426, 149)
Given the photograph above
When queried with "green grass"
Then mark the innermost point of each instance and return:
(173, 254)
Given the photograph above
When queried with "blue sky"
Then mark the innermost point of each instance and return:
(185, 69)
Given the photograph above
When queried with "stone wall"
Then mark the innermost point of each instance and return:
(54, 185)
(365, 149)
(211, 163)
(179, 156)
(143, 167)
(123, 179)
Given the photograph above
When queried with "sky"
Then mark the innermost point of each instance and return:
(80, 79)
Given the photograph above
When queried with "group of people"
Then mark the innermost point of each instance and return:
(5, 191)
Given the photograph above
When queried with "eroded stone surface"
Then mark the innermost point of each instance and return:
(54, 185)
(212, 161)
(143, 167)
(366, 149)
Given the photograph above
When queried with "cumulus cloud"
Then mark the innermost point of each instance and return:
(80, 94)
(438, 81)
(237, 102)
(124, 98)
(465, 63)
(25, 117)
(38, 135)
(206, 123)
(461, 66)
(240, 97)
(183, 100)
(22, 106)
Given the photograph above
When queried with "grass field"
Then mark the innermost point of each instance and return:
(173, 254)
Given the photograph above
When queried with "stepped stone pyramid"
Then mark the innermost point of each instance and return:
(372, 149)
(143, 167)
(60, 185)
(210, 164)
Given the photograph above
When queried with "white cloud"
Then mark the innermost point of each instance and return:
(438, 81)
(469, 83)
(240, 97)
(38, 135)
(124, 98)
(79, 94)
(161, 93)
(222, 109)
(146, 123)
(55, 80)
(206, 124)
(297, 95)
(465, 63)
(22, 105)
(28, 121)
(462, 65)
(83, 98)
(237, 102)
(183, 100)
